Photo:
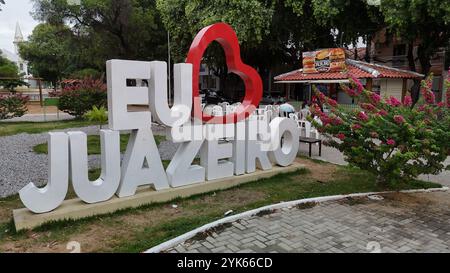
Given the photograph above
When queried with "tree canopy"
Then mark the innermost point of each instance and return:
(10, 77)
(48, 51)
(8, 68)
(426, 22)
(272, 33)
(127, 29)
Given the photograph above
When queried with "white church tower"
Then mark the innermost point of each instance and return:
(18, 38)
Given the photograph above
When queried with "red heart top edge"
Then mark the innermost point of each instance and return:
(227, 38)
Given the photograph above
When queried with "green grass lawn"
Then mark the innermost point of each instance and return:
(93, 144)
(135, 230)
(13, 128)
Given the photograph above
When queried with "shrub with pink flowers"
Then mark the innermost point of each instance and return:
(387, 137)
(12, 105)
(82, 97)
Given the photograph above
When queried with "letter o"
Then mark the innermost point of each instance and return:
(284, 154)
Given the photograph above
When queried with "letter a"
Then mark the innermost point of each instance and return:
(142, 164)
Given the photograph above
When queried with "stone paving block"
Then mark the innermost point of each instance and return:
(335, 227)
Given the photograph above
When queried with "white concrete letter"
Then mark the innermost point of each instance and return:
(255, 155)
(213, 154)
(142, 164)
(48, 198)
(239, 144)
(104, 187)
(285, 141)
(120, 95)
(180, 112)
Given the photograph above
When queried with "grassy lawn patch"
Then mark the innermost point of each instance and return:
(13, 128)
(135, 230)
(93, 144)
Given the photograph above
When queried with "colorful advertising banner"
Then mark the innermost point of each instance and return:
(324, 60)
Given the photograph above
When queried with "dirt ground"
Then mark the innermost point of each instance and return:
(35, 108)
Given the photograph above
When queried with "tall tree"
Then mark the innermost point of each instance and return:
(127, 29)
(271, 32)
(10, 77)
(48, 51)
(425, 23)
(2, 2)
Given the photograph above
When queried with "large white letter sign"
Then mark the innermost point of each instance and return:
(48, 198)
(231, 144)
(159, 106)
(213, 155)
(286, 153)
(103, 188)
(180, 172)
(239, 148)
(120, 95)
(142, 164)
(255, 155)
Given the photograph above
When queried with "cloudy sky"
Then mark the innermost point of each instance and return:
(15, 11)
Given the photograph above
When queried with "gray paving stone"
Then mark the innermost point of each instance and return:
(336, 227)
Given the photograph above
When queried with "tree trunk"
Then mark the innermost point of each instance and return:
(368, 56)
(412, 66)
(411, 60)
(425, 64)
(424, 59)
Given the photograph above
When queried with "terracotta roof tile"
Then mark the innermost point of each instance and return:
(356, 68)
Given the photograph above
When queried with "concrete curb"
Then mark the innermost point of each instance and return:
(184, 237)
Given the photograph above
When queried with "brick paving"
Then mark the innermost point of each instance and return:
(398, 223)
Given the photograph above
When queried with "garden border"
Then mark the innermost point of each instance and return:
(184, 237)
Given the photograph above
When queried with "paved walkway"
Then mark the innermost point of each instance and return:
(41, 117)
(398, 223)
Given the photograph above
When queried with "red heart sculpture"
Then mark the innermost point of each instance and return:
(227, 38)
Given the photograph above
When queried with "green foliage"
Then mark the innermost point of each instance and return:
(13, 128)
(425, 22)
(81, 98)
(12, 106)
(86, 73)
(393, 140)
(353, 19)
(105, 29)
(48, 51)
(94, 147)
(251, 19)
(11, 84)
(9, 69)
(271, 33)
(98, 115)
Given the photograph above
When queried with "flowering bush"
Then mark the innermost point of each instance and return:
(390, 138)
(82, 97)
(12, 106)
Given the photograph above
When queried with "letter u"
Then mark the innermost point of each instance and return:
(180, 112)
(104, 187)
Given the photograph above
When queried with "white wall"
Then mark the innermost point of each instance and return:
(390, 87)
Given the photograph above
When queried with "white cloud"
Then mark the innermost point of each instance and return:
(15, 11)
